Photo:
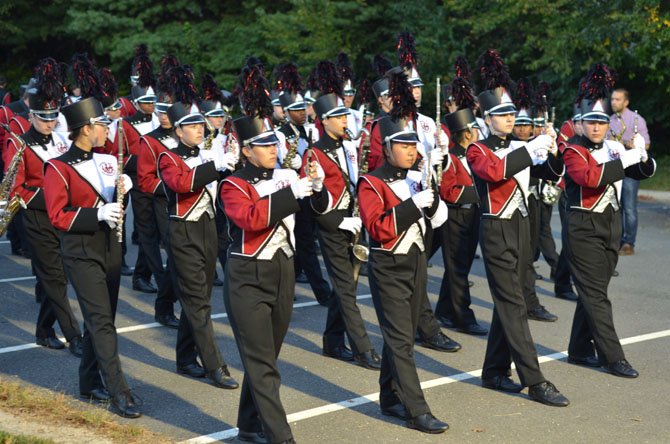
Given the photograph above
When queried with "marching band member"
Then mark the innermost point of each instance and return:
(260, 202)
(42, 144)
(501, 172)
(595, 169)
(396, 213)
(79, 192)
(189, 175)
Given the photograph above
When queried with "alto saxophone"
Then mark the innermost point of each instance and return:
(10, 206)
(292, 149)
(360, 251)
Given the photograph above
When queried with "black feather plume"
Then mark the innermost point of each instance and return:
(365, 93)
(183, 87)
(289, 77)
(407, 50)
(211, 90)
(462, 69)
(86, 76)
(255, 92)
(600, 81)
(328, 79)
(523, 97)
(344, 67)
(400, 92)
(461, 91)
(143, 67)
(49, 80)
(493, 71)
(381, 65)
(542, 97)
(108, 85)
(165, 83)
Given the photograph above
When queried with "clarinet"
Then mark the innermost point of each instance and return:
(119, 182)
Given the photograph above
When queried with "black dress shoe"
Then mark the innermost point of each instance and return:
(124, 405)
(50, 342)
(217, 282)
(302, 278)
(615, 274)
(538, 276)
(221, 378)
(97, 394)
(324, 300)
(126, 270)
(552, 275)
(441, 342)
(541, 314)
(427, 423)
(288, 441)
(567, 295)
(446, 322)
(473, 329)
(75, 346)
(546, 393)
(396, 410)
(194, 370)
(370, 360)
(168, 320)
(501, 383)
(622, 368)
(471, 284)
(143, 285)
(255, 437)
(586, 361)
(340, 352)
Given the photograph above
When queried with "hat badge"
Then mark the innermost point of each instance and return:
(505, 98)
(599, 106)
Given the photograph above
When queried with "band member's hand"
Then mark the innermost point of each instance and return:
(302, 187)
(296, 162)
(538, 148)
(436, 157)
(317, 174)
(227, 161)
(442, 140)
(110, 213)
(630, 157)
(550, 131)
(233, 147)
(640, 145)
(126, 183)
(424, 199)
(352, 224)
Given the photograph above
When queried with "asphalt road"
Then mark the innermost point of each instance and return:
(334, 402)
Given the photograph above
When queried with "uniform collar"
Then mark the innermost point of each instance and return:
(253, 174)
(40, 138)
(390, 173)
(140, 117)
(496, 143)
(77, 154)
(186, 151)
(457, 150)
(586, 143)
(328, 144)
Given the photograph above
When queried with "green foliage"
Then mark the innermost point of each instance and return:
(553, 40)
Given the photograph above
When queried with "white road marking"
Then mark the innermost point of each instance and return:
(374, 397)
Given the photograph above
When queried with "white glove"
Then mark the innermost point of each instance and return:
(423, 199)
(207, 155)
(630, 157)
(640, 145)
(436, 157)
(296, 162)
(550, 131)
(317, 182)
(302, 188)
(539, 147)
(226, 161)
(414, 176)
(442, 140)
(127, 183)
(233, 147)
(110, 213)
(352, 224)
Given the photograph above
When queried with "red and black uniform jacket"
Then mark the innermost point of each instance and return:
(376, 154)
(184, 186)
(72, 189)
(327, 203)
(255, 214)
(16, 116)
(159, 140)
(385, 216)
(565, 134)
(29, 183)
(586, 180)
(127, 107)
(494, 176)
(132, 142)
(457, 186)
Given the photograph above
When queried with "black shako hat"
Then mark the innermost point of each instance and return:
(255, 131)
(184, 114)
(397, 130)
(329, 105)
(461, 120)
(84, 112)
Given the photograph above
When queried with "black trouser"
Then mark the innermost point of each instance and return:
(93, 266)
(562, 283)
(547, 246)
(306, 258)
(398, 285)
(593, 252)
(223, 241)
(259, 299)
(142, 206)
(150, 214)
(44, 243)
(529, 293)
(192, 252)
(343, 313)
(458, 238)
(428, 325)
(505, 249)
(16, 234)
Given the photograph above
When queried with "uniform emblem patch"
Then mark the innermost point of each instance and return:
(107, 168)
(425, 127)
(61, 148)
